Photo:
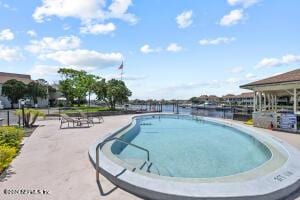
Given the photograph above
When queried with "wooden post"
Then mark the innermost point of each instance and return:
(259, 101)
(275, 102)
(295, 101)
(265, 101)
(8, 120)
(269, 102)
(254, 101)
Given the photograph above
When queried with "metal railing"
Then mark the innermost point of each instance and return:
(100, 145)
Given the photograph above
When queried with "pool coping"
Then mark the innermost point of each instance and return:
(273, 185)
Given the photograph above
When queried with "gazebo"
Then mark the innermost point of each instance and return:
(276, 101)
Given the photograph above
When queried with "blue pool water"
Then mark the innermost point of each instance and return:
(183, 147)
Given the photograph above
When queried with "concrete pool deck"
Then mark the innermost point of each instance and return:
(57, 161)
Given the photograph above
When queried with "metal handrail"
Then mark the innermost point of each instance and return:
(100, 145)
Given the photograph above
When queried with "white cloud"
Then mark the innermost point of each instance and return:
(273, 62)
(48, 44)
(234, 17)
(6, 34)
(118, 9)
(47, 70)
(83, 57)
(244, 3)
(217, 41)
(147, 49)
(6, 6)
(31, 33)
(98, 28)
(86, 10)
(82, 9)
(184, 20)
(10, 54)
(237, 70)
(173, 47)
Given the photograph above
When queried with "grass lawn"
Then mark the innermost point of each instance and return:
(86, 109)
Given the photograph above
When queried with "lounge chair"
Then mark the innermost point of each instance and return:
(86, 117)
(99, 117)
(91, 118)
(74, 121)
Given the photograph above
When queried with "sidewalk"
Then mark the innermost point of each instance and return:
(57, 161)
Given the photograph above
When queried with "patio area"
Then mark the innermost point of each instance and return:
(57, 161)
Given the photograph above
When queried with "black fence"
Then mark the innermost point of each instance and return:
(240, 113)
(9, 117)
(234, 113)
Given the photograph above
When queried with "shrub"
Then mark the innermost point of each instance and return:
(6, 155)
(249, 122)
(11, 136)
(30, 116)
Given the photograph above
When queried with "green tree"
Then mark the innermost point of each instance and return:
(71, 86)
(88, 81)
(36, 89)
(100, 89)
(14, 90)
(77, 84)
(194, 100)
(66, 87)
(112, 92)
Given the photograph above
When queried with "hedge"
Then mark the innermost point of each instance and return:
(10, 140)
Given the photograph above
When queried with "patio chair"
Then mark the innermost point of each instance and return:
(86, 117)
(74, 121)
(97, 116)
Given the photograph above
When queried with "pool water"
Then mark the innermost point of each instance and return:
(184, 147)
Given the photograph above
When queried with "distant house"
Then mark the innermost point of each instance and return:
(228, 98)
(245, 99)
(210, 99)
(20, 77)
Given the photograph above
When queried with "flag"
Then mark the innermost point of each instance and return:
(121, 66)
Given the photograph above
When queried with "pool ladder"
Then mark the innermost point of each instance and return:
(100, 145)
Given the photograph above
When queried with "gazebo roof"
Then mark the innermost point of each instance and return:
(287, 77)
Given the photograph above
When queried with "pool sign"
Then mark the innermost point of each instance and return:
(287, 121)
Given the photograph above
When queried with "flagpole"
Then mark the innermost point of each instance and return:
(122, 71)
(122, 74)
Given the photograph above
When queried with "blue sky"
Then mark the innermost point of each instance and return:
(171, 49)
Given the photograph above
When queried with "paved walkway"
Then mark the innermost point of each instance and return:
(57, 161)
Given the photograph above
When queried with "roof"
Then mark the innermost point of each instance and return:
(4, 76)
(208, 97)
(242, 95)
(245, 95)
(291, 76)
(228, 96)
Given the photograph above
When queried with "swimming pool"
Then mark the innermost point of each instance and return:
(184, 147)
(196, 158)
